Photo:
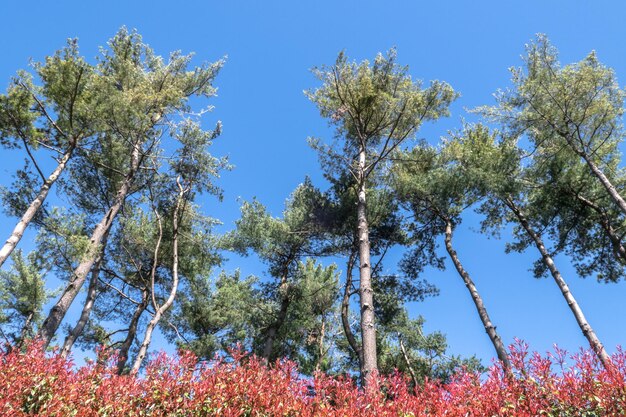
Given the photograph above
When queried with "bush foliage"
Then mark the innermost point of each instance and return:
(556, 384)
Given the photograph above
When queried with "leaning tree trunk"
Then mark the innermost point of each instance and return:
(92, 292)
(59, 310)
(407, 361)
(584, 325)
(606, 183)
(478, 301)
(345, 309)
(34, 206)
(616, 241)
(132, 332)
(596, 171)
(366, 292)
(26, 329)
(160, 310)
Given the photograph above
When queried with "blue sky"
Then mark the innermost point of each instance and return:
(271, 45)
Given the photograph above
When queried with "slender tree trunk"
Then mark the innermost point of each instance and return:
(605, 223)
(26, 328)
(320, 346)
(584, 325)
(34, 206)
(408, 362)
(345, 310)
(143, 349)
(132, 332)
(606, 183)
(366, 292)
(478, 301)
(92, 292)
(58, 311)
(272, 331)
(595, 170)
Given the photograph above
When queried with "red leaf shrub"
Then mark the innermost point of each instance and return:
(35, 383)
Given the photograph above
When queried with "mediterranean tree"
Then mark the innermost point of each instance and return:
(142, 92)
(375, 109)
(57, 115)
(578, 106)
(436, 192)
(508, 185)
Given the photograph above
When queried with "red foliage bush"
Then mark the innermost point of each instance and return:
(34, 383)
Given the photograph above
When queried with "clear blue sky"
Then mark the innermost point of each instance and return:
(271, 45)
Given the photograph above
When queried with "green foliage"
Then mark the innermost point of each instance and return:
(214, 317)
(578, 105)
(63, 240)
(426, 354)
(280, 242)
(300, 297)
(376, 105)
(572, 117)
(309, 331)
(67, 93)
(23, 295)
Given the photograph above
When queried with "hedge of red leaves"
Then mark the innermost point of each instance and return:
(35, 383)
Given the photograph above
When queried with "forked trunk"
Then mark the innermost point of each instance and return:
(345, 310)
(407, 361)
(59, 310)
(132, 332)
(160, 310)
(88, 306)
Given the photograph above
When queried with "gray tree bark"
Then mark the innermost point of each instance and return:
(132, 332)
(160, 310)
(584, 325)
(345, 310)
(606, 183)
(35, 205)
(595, 170)
(478, 301)
(366, 292)
(59, 310)
(92, 292)
(605, 222)
(408, 362)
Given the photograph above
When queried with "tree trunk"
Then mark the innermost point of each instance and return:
(345, 309)
(605, 223)
(606, 183)
(320, 346)
(34, 206)
(92, 291)
(26, 328)
(478, 302)
(366, 293)
(58, 311)
(143, 349)
(132, 332)
(408, 363)
(285, 300)
(584, 325)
